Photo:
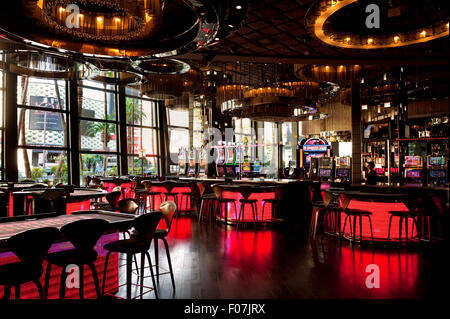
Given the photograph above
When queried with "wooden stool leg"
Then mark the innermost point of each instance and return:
(389, 228)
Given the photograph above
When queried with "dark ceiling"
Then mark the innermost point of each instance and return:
(274, 31)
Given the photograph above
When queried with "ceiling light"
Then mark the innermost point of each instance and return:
(396, 38)
(231, 26)
(387, 104)
(217, 39)
(423, 33)
(239, 7)
(364, 107)
(99, 19)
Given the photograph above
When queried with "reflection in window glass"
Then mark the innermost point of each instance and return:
(140, 112)
(178, 138)
(142, 165)
(141, 141)
(42, 165)
(178, 118)
(98, 136)
(41, 128)
(97, 104)
(41, 92)
(98, 165)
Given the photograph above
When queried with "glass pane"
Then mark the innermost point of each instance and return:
(141, 141)
(178, 138)
(1, 105)
(286, 131)
(142, 165)
(178, 118)
(98, 136)
(98, 164)
(41, 92)
(42, 128)
(140, 112)
(42, 165)
(97, 104)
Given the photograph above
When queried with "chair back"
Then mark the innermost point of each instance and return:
(84, 234)
(344, 201)
(31, 246)
(87, 180)
(145, 225)
(169, 186)
(218, 190)
(327, 198)
(128, 205)
(96, 181)
(113, 198)
(147, 185)
(203, 187)
(168, 209)
(246, 191)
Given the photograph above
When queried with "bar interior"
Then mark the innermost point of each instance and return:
(223, 149)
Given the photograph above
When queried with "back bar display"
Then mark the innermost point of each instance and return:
(312, 148)
(182, 161)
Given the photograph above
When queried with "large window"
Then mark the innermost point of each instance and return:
(97, 109)
(178, 121)
(142, 134)
(286, 144)
(42, 130)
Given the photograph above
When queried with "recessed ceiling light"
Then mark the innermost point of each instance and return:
(231, 26)
(217, 39)
(239, 7)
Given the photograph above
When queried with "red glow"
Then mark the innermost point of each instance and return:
(248, 216)
(380, 219)
(77, 206)
(29, 291)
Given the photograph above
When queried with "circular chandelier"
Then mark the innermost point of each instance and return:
(115, 72)
(45, 65)
(179, 103)
(161, 66)
(335, 73)
(116, 29)
(162, 87)
(320, 17)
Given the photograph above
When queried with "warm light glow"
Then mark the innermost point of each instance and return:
(396, 38)
(387, 104)
(99, 19)
(81, 16)
(364, 107)
(370, 41)
(423, 33)
(117, 19)
(61, 9)
(239, 7)
(347, 39)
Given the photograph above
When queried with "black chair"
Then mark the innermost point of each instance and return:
(355, 213)
(246, 192)
(83, 235)
(151, 195)
(145, 227)
(207, 201)
(30, 247)
(222, 203)
(112, 199)
(169, 210)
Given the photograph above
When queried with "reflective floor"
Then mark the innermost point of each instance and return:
(214, 261)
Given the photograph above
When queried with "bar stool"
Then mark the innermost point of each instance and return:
(355, 213)
(245, 192)
(333, 212)
(140, 193)
(403, 218)
(222, 203)
(207, 201)
(273, 204)
(30, 247)
(169, 211)
(83, 235)
(145, 226)
(318, 209)
(169, 186)
(429, 209)
(189, 196)
(112, 199)
(119, 182)
(151, 195)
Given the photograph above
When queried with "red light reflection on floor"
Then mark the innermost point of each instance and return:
(181, 229)
(398, 272)
(29, 290)
(181, 199)
(248, 248)
(380, 219)
(248, 215)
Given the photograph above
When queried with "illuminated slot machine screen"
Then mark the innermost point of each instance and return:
(257, 166)
(343, 161)
(309, 156)
(414, 173)
(325, 172)
(379, 170)
(436, 161)
(220, 171)
(230, 171)
(413, 161)
(437, 174)
(343, 172)
(231, 155)
(246, 166)
(221, 156)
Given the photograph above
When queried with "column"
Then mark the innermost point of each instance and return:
(356, 132)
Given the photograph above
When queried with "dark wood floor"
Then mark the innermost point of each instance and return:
(212, 261)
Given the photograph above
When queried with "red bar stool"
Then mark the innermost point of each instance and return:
(332, 215)
(403, 219)
(429, 211)
(151, 195)
(189, 197)
(169, 186)
(245, 192)
(207, 201)
(223, 203)
(355, 213)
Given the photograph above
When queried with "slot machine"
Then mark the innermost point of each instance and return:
(182, 162)
(246, 167)
(413, 168)
(192, 163)
(437, 169)
(343, 170)
(312, 148)
(256, 167)
(220, 161)
(325, 168)
(230, 161)
(203, 163)
(313, 168)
